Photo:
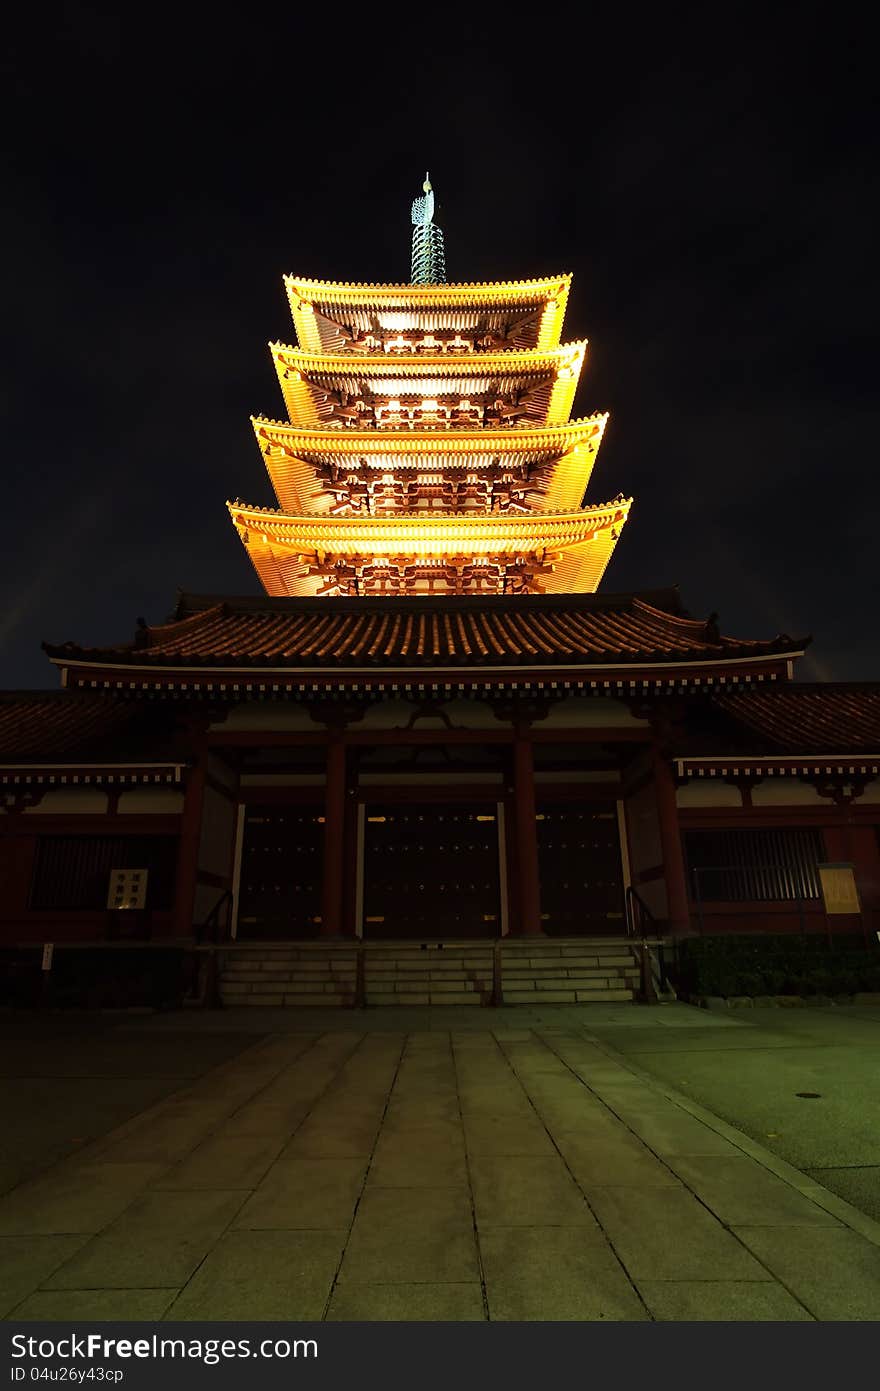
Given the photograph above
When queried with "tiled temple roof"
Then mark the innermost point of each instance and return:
(807, 718)
(56, 726)
(569, 630)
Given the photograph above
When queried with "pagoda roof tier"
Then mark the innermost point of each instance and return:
(429, 390)
(422, 551)
(311, 469)
(345, 317)
(610, 642)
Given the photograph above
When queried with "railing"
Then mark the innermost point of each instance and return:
(640, 926)
(640, 921)
(207, 931)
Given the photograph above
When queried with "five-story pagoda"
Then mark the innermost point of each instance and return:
(429, 447)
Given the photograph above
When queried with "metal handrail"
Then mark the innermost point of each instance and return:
(638, 915)
(213, 918)
(641, 924)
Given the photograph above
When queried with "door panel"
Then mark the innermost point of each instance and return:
(431, 871)
(281, 863)
(580, 870)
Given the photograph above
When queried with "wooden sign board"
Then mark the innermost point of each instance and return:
(128, 889)
(839, 892)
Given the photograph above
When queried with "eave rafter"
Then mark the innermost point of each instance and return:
(554, 463)
(511, 389)
(329, 315)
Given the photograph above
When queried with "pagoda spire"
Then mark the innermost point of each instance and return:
(428, 255)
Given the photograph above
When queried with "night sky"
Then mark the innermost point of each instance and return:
(708, 177)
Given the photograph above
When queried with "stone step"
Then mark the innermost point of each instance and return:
(553, 947)
(427, 983)
(424, 998)
(544, 972)
(565, 997)
(425, 962)
(254, 968)
(380, 944)
(521, 948)
(427, 967)
(318, 975)
(402, 987)
(336, 1001)
(285, 987)
(282, 956)
(557, 959)
(273, 981)
(306, 967)
(554, 954)
(568, 983)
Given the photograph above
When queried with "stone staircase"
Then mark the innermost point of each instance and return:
(309, 974)
(557, 971)
(431, 973)
(543, 971)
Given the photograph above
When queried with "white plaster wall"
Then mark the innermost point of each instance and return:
(871, 793)
(591, 712)
(155, 800)
(708, 792)
(281, 715)
(71, 801)
(461, 714)
(786, 792)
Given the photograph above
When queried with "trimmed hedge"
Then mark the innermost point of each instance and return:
(775, 965)
(98, 977)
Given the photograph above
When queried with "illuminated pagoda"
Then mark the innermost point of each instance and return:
(433, 761)
(429, 447)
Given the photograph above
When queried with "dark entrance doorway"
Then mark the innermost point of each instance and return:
(431, 871)
(580, 870)
(280, 884)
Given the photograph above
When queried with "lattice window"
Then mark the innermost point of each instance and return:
(754, 864)
(73, 872)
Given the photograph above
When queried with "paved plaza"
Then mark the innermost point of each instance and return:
(457, 1164)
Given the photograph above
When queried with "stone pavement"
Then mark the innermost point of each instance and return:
(512, 1167)
(802, 1082)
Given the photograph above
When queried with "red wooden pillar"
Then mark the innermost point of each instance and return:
(18, 853)
(188, 848)
(528, 881)
(677, 907)
(350, 854)
(334, 837)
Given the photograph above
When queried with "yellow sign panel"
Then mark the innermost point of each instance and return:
(839, 890)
